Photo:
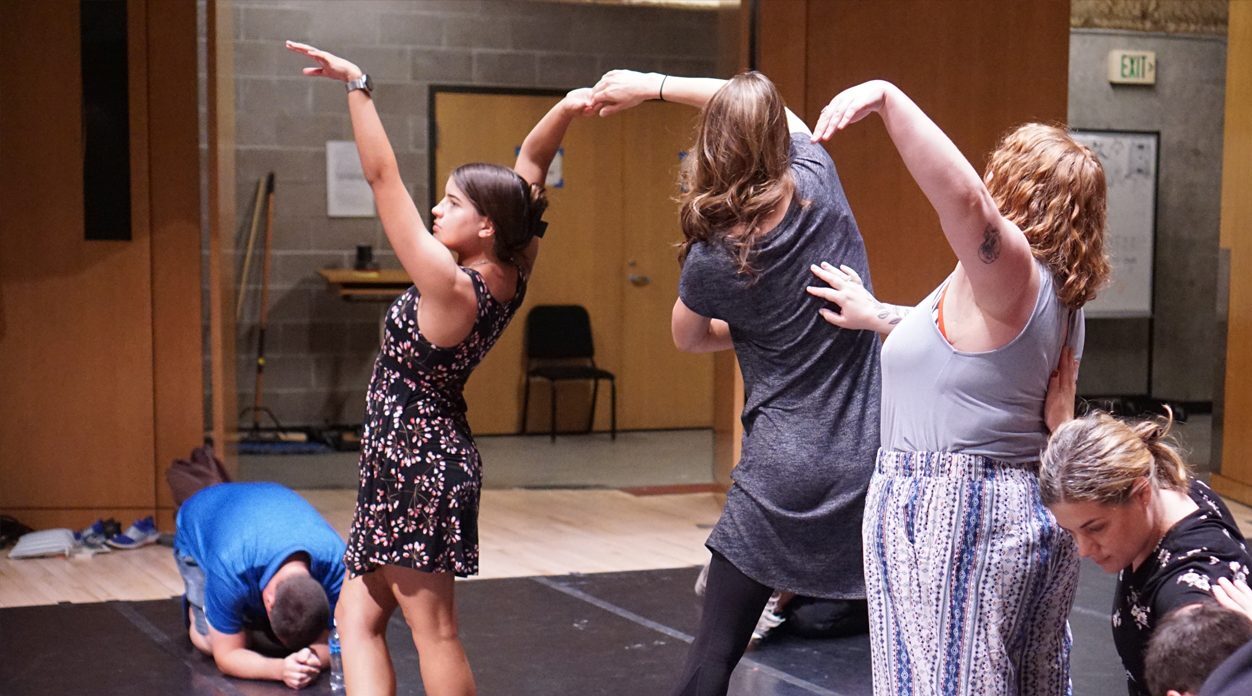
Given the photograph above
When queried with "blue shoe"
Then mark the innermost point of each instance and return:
(141, 533)
(97, 534)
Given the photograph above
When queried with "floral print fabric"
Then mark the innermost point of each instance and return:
(1201, 548)
(420, 474)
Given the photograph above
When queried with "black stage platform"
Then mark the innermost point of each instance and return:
(608, 633)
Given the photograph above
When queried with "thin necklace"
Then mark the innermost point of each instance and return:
(478, 263)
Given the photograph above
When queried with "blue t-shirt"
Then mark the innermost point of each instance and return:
(240, 533)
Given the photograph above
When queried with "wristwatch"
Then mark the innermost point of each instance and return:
(363, 83)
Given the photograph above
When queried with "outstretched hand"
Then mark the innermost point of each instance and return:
(619, 90)
(849, 106)
(329, 64)
(858, 309)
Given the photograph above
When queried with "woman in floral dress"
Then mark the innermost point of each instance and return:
(1126, 495)
(416, 523)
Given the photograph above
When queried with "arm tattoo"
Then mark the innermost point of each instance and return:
(900, 314)
(989, 250)
(892, 314)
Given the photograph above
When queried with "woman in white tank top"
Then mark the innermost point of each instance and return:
(970, 580)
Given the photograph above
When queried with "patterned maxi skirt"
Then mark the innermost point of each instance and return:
(970, 579)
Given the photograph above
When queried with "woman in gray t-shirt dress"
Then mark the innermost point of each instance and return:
(761, 204)
(970, 579)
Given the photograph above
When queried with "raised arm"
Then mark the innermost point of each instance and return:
(541, 145)
(619, 90)
(993, 252)
(429, 264)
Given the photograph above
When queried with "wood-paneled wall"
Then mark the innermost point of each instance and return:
(976, 69)
(99, 340)
(1235, 479)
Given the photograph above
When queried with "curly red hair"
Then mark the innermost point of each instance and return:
(1053, 188)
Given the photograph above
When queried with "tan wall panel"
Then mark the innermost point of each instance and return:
(221, 145)
(975, 72)
(782, 49)
(175, 211)
(1236, 235)
(75, 320)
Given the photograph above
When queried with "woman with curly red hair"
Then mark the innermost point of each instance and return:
(970, 579)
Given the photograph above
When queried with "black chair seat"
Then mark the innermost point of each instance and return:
(560, 372)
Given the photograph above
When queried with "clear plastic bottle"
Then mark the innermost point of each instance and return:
(336, 663)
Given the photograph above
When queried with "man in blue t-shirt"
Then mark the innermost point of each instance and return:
(257, 559)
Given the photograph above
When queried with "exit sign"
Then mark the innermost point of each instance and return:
(1132, 67)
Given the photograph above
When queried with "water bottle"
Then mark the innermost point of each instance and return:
(336, 663)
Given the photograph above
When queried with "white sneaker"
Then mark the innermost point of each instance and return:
(769, 620)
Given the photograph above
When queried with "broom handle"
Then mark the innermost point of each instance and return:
(265, 299)
(247, 256)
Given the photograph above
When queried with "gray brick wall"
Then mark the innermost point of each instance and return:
(320, 349)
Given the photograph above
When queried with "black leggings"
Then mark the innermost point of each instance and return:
(732, 605)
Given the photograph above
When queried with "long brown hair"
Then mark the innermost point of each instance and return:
(738, 169)
(1052, 187)
(513, 205)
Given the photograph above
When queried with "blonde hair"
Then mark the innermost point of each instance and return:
(1100, 459)
(738, 171)
(1053, 188)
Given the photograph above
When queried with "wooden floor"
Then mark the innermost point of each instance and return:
(522, 533)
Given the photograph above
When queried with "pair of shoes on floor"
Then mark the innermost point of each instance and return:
(141, 533)
(770, 620)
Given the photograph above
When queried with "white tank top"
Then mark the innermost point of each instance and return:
(936, 398)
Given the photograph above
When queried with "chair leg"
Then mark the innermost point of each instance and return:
(525, 404)
(553, 400)
(613, 413)
(591, 415)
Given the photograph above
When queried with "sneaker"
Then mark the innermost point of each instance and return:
(141, 533)
(702, 580)
(770, 620)
(96, 535)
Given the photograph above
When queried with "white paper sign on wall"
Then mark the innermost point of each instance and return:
(348, 194)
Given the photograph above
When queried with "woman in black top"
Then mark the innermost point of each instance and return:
(1128, 498)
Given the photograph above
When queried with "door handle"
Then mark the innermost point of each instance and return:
(638, 280)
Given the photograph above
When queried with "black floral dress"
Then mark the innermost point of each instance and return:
(420, 474)
(1198, 550)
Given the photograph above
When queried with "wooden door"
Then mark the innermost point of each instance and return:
(602, 208)
(660, 387)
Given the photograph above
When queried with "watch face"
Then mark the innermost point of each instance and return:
(369, 83)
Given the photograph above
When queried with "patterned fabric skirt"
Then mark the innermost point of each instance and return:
(420, 479)
(970, 579)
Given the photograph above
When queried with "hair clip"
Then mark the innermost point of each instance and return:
(541, 226)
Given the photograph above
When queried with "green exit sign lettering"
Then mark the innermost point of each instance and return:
(1132, 67)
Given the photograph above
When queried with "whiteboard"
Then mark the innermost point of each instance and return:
(1130, 170)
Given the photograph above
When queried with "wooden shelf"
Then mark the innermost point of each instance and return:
(367, 286)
